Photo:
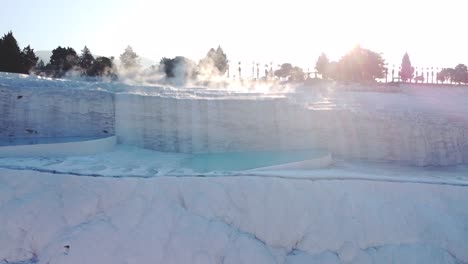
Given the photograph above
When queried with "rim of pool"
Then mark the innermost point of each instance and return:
(304, 159)
(57, 146)
(259, 160)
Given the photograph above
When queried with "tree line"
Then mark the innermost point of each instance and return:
(62, 60)
(364, 65)
(214, 64)
(358, 65)
(458, 74)
(65, 60)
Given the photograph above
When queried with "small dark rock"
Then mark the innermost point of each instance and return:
(67, 249)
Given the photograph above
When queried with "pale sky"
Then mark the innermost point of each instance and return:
(434, 33)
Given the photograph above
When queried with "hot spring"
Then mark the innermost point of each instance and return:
(240, 130)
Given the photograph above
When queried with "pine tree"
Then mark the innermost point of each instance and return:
(322, 65)
(406, 69)
(86, 61)
(221, 61)
(129, 59)
(62, 60)
(10, 54)
(28, 59)
(40, 68)
(215, 62)
(40, 65)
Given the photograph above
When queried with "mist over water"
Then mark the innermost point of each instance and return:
(205, 79)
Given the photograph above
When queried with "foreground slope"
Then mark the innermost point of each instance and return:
(47, 218)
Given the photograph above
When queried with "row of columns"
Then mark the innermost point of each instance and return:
(256, 73)
(421, 74)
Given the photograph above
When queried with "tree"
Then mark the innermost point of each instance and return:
(40, 65)
(28, 59)
(214, 63)
(62, 60)
(10, 54)
(460, 74)
(407, 70)
(333, 70)
(86, 61)
(167, 65)
(297, 74)
(443, 75)
(446, 74)
(292, 73)
(129, 60)
(178, 67)
(14, 60)
(40, 68)
(361, 65)
(284, 71)
(221, 61)
(103, 67)
(322, 65)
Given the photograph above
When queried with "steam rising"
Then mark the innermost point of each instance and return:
(202, 75)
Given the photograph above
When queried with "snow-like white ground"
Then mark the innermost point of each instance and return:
(140, 206)
(135, 205)
(51, 218)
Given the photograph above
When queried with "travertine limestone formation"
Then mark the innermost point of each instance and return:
(401, 127)
(55, 112)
